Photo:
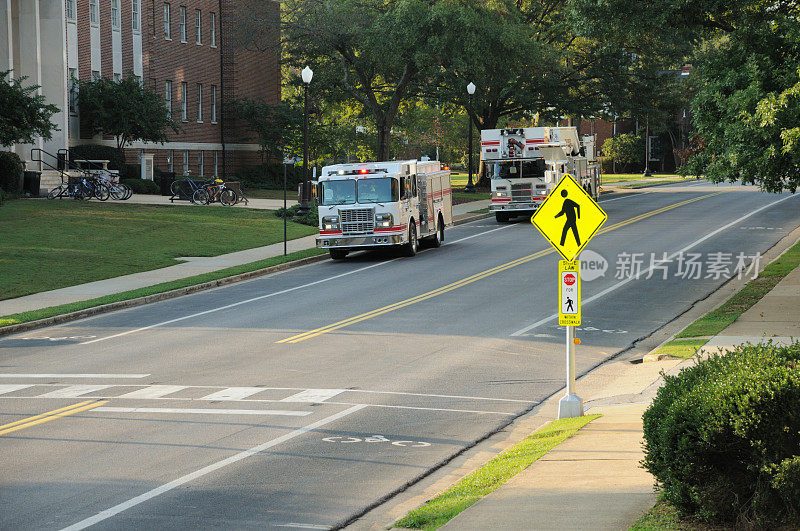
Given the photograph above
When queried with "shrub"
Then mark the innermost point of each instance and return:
(142, 186)
(311, 218)
(10, 171)
(131, 171)
(115, 158)
(723, 437)
(271, 176)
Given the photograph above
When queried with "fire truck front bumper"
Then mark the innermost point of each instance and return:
(514, 207)
(372, 240)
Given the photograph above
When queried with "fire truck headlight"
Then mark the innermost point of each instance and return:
(501, 194)
(330, 222)
(383, 220)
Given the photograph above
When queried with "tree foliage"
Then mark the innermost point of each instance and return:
(276, 126)
(627, 148)
(124, 109)
(26, 114)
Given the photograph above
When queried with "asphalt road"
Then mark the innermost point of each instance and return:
(302, 398)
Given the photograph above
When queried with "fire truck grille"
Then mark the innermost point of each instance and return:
(357, 221)
(521, 192)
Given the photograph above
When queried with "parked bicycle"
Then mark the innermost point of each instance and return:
(216, 191)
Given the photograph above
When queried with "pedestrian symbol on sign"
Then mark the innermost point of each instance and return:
(569, 306)
(572, 211)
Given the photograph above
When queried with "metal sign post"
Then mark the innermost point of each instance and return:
(569, 316)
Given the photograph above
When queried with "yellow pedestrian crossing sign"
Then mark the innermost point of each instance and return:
(569, 293)
(568, 218)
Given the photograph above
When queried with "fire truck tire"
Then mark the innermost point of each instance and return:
(338, 254)
(410, 249)
(501, 217)
(437, 239)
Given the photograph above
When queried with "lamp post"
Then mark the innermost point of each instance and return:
(647, 150)
(306, 74)
(470, 187)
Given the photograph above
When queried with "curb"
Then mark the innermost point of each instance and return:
(156, 297)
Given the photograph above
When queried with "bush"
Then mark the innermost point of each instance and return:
(311, 218)
(271, 176)
(723, 437)
(142, 186)
(10, 171)
(115, 158)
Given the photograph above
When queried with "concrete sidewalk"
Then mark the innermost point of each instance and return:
(190, 267)
(593, 480)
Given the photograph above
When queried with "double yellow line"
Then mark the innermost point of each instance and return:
(50, 415)
(469, 280)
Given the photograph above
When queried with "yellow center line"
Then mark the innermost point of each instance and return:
(469, 280)
(50, 415)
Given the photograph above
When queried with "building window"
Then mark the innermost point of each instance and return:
(197, 24)
(136, 20)
(167, 22)
(199, 103)
(115, 14)
(200, 161)
(216, 160)
(95, 75)
(93, 16)
(213, 104)
(213, 23)
(168, 98)
(186, 163)
(72, 83)
(71, 10)
(184, 108)
(183, 23)
(117, 77)
(171, 161)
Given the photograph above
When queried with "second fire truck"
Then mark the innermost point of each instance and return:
(525, 164)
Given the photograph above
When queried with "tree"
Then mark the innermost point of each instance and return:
(124, 109)
(627, 148)
(26, 115)
(276, 126)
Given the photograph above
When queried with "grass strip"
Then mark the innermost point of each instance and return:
(649, 183)
(52, 311)
(662, 516)
(681, 348)
(438, 511)
(624, 177)
(716, 321)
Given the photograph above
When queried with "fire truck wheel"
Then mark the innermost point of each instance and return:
(501, 217)
(438, 238)
(412, 245)
(338, 254)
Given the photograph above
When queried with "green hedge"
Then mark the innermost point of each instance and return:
(115, 158)
(142, 186)
(271, 176)
(723, 437)
(311, 218)
(10, 171)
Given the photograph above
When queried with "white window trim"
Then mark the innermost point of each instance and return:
(136, 16)
(186, 162)
(201, 162)
(198, 27)
(115, 20)
(213, 23)
(95, 12)
(183, 24)
(213, 104)
(199, 88)
(167, 21)
(168, 96)
(216, 164)
(70, 10)
(184, 102)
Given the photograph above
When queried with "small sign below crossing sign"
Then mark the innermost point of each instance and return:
(569, 293)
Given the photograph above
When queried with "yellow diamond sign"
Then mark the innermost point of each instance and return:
(569, 218)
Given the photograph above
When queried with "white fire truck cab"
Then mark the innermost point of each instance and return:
(525, 164)
(380, 204)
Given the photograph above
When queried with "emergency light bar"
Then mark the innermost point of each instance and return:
(362, 171)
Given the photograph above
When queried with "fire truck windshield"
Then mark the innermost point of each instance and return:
(379, 190)
(338, 192)
(516, 169)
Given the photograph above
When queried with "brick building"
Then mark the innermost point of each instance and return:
(184, 49)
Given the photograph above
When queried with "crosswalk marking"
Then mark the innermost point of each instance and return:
(10, 388)
(233, 393)
(110, 409)
(313, 395)
(153, 391)
(74, 391)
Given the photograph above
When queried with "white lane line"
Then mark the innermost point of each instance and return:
(644, 273)
(208, 411)
(633, 194)
(153, 391)
(10, 388)
(74, 391)
(11, 375)
(233, 393)
(420, 408)
(108, 513)
(313, 395)
(260, 297)
(479, 234)
(439, 396)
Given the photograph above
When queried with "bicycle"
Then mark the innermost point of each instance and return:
(217, 191)
(187, 188)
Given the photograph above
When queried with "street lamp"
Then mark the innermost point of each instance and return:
(470, 90)
(306, 74)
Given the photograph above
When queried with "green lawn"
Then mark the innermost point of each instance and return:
(261, 193)
(625, 177)
(53, 244)
(682, 348)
